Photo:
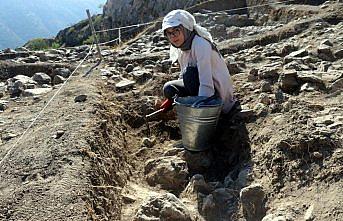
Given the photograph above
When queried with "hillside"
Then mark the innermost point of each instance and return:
(93, 155)
(22, 20)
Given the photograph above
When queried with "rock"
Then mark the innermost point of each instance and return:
(253, 202)
(30, 59)
(326, 42)
(141, 76)
(309, 87)
(268, 73)
(288, 81)
(233, 32)
(166, 64)
(165, 207)
(30, 86)
(324, 66)
(64, 72)
(80, 98)
(228, 182)
(149, 66)
(8, 50)
(253, 75)
(234, 68)
(295, 54)
(35, 92)
(273, 217)
(155, 39)
(336, 85)
(243, 177)
(58, 134)
(339, 54)
(22, 49)
(129, 68)
(261, 110)
(195, 185)
(46, 86)
(247, 114)
(3, 105)
(170, 172)
(18, 84)
(56, 57)
(125, 84)
(264, 98)
(15, 87)
(41, 78)
(317, 155)
(287, 49)
(324, 120)
(8, 136)
(148, 142)
(105, 73)
(221, 201)
(296, 65)
(24, 79)
(42, 56)
(309, 214)
(58, 80)
(198, 162)
(325, 53)
(310, 77)
(265, 86)
(128, 199)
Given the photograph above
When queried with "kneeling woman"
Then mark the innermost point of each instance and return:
(203, 69)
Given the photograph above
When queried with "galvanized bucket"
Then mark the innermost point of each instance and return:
(198, 117)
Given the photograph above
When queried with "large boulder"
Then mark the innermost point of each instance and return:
(253, 202)
(296, 54)
(325, 53)
(288, 81)
(142, 76)
(18, 84)
(197, 184)
(64, 72)
(165, 207)
(35, 92)
(220, 205)
(169, 172)
(336, 85)
(41, 78)
(310, 77)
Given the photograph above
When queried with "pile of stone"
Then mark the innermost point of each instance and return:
(39, 83)
(23, 55)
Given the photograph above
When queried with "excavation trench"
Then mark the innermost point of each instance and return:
(119, 157)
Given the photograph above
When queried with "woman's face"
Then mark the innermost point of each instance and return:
(175, 36)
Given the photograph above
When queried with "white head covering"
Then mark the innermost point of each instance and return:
(184, 18)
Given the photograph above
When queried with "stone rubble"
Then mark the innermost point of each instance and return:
(165, 207)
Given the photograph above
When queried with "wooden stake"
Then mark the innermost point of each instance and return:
(94, 34)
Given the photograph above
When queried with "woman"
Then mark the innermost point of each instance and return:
(203, 69)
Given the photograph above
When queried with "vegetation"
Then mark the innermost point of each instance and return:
(42, 44)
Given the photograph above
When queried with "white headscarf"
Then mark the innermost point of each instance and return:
(187, 20)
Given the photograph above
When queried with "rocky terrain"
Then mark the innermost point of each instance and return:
(92, 155)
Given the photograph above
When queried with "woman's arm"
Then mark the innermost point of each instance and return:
(202, 52)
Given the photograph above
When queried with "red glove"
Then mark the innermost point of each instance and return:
(167, 105)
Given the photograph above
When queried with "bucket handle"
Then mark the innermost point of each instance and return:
(197, 103)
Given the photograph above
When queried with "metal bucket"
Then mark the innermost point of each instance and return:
(198, 117)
